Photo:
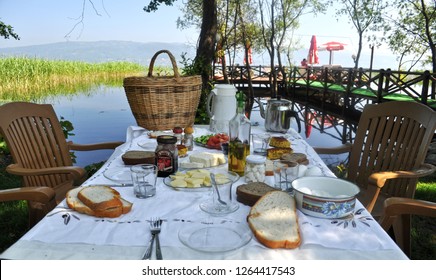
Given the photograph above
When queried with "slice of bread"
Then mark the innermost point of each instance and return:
(274, 222)
(138, 157)
(297, 157)
(112, 211)
(100, 198)
(276, 153)
(279, 142)
(75, 203)
(250, 193)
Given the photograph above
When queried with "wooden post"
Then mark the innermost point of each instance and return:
(425, 84)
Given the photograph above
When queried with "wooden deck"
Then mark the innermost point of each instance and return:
(339, 90)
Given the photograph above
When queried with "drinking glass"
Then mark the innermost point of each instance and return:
(260, 143)
(144, 180)
(284, 173)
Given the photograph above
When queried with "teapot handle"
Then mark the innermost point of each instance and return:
(295, 115)
(262, 110)
(209, 99)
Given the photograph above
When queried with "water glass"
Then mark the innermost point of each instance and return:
(260, 143)
(284, 173)
(144, 178)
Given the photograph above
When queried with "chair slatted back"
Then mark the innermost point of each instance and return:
(391, 136)
(35, 139)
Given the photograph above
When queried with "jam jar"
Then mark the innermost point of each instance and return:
(255, 169)
(166, 155)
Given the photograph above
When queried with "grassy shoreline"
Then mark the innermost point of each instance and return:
(31, 79)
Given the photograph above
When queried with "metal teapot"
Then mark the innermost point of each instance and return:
(278, 115)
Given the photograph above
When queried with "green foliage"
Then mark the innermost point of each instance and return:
(191, 67)
(410, 31)
(154, 5)
(7, 31)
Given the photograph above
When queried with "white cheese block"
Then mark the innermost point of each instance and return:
(208, 159)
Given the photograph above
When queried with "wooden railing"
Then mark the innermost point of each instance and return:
(374, 84)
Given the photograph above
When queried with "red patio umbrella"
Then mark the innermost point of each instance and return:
(312, 58)
(250, 56)
(331, 47)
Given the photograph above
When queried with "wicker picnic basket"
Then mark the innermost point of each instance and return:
(164, 102)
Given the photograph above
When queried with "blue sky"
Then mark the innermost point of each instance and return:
(48, 21)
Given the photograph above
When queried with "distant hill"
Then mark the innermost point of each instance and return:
(103, 51)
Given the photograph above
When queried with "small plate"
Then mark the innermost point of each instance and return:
(215, 238)
(217, 209)
(119, 174)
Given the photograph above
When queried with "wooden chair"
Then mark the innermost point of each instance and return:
(41, 197)
(397, 213)
(388, 153)
(39, 149)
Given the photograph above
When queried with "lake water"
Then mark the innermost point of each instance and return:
(104, 114)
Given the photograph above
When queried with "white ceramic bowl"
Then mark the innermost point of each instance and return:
(325, 197)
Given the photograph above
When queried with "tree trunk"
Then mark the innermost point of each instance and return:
(206, 52)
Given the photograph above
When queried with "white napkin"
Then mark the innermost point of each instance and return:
(359, 233)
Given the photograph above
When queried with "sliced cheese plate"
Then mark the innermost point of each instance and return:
(198, 180)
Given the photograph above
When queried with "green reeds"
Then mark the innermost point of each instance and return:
(33, 79)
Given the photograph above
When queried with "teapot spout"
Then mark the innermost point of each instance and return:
(262, 110)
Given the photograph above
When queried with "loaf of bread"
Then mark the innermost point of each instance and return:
(101, 201)
(250, 193)
(274, 222)
(300, 158)
(276, 153)
(279, 142)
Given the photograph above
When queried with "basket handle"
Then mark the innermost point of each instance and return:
(173, 62)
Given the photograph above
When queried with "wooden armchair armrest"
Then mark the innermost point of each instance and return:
(44, 195)
(95, 146)
(395, 206)
(345, 148)
(396, 214)
(75, 171)
(377, 180)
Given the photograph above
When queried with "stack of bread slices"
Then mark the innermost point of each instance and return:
(98, 201)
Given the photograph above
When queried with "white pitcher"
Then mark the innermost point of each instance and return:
(223, 107)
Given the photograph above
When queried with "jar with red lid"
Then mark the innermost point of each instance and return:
(166, 155)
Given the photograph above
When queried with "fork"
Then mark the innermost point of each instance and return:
(155, 230)
(155, 224)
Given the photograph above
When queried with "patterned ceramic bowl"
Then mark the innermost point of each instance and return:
(325, 197)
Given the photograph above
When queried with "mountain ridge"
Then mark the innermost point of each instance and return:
(103, 51)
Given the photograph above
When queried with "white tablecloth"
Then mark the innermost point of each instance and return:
(127, 237)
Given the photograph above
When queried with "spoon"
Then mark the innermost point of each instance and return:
(212, 178)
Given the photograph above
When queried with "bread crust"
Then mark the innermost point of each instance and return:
(290, 242)
(74, 202)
